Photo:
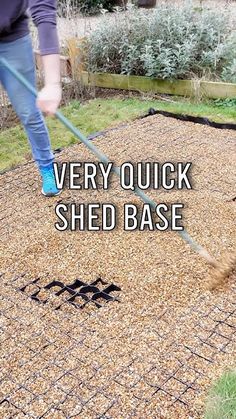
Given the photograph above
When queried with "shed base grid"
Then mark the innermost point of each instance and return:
(78, 293)
(117, 325)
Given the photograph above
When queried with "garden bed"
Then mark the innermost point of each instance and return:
(181, 50)
(189, 88)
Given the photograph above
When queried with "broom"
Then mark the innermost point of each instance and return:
(220, 270)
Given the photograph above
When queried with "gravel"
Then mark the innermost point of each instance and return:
(155, 352)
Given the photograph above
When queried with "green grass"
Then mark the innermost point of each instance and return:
(221, 403)
(97, 115)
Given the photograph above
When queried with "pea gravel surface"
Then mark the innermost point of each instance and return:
(153, 349)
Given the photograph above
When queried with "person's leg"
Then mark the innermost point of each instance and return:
(20, 55)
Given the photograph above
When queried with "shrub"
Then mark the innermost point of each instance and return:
(171, 42)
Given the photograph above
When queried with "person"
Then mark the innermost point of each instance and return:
(16, 48)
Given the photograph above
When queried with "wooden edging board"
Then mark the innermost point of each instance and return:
(194, 88)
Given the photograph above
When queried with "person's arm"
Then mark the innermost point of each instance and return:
(43, 13)
(49, 97)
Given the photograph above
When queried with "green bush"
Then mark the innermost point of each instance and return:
(171, 42)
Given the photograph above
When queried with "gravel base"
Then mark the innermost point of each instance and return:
(154, 353)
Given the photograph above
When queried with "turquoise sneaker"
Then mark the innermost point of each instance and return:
(49, 184)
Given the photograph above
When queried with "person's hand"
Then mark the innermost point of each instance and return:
(49, 98)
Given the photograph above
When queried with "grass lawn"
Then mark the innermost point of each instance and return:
(222, 398)
(99, 114)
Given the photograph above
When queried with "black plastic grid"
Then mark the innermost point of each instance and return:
(213, 330)
(78, 293)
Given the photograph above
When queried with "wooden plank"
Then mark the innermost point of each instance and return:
(146, 84)
(217, 90)
(85, 78)
(76, 54)
(64, 63)
(142, 84)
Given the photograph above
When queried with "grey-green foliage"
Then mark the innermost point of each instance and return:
(168, 42)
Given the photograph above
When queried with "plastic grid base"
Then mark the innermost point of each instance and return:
(78, 293)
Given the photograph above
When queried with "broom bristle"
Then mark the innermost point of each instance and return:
(221, 272)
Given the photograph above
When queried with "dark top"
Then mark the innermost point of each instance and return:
(14, 15)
